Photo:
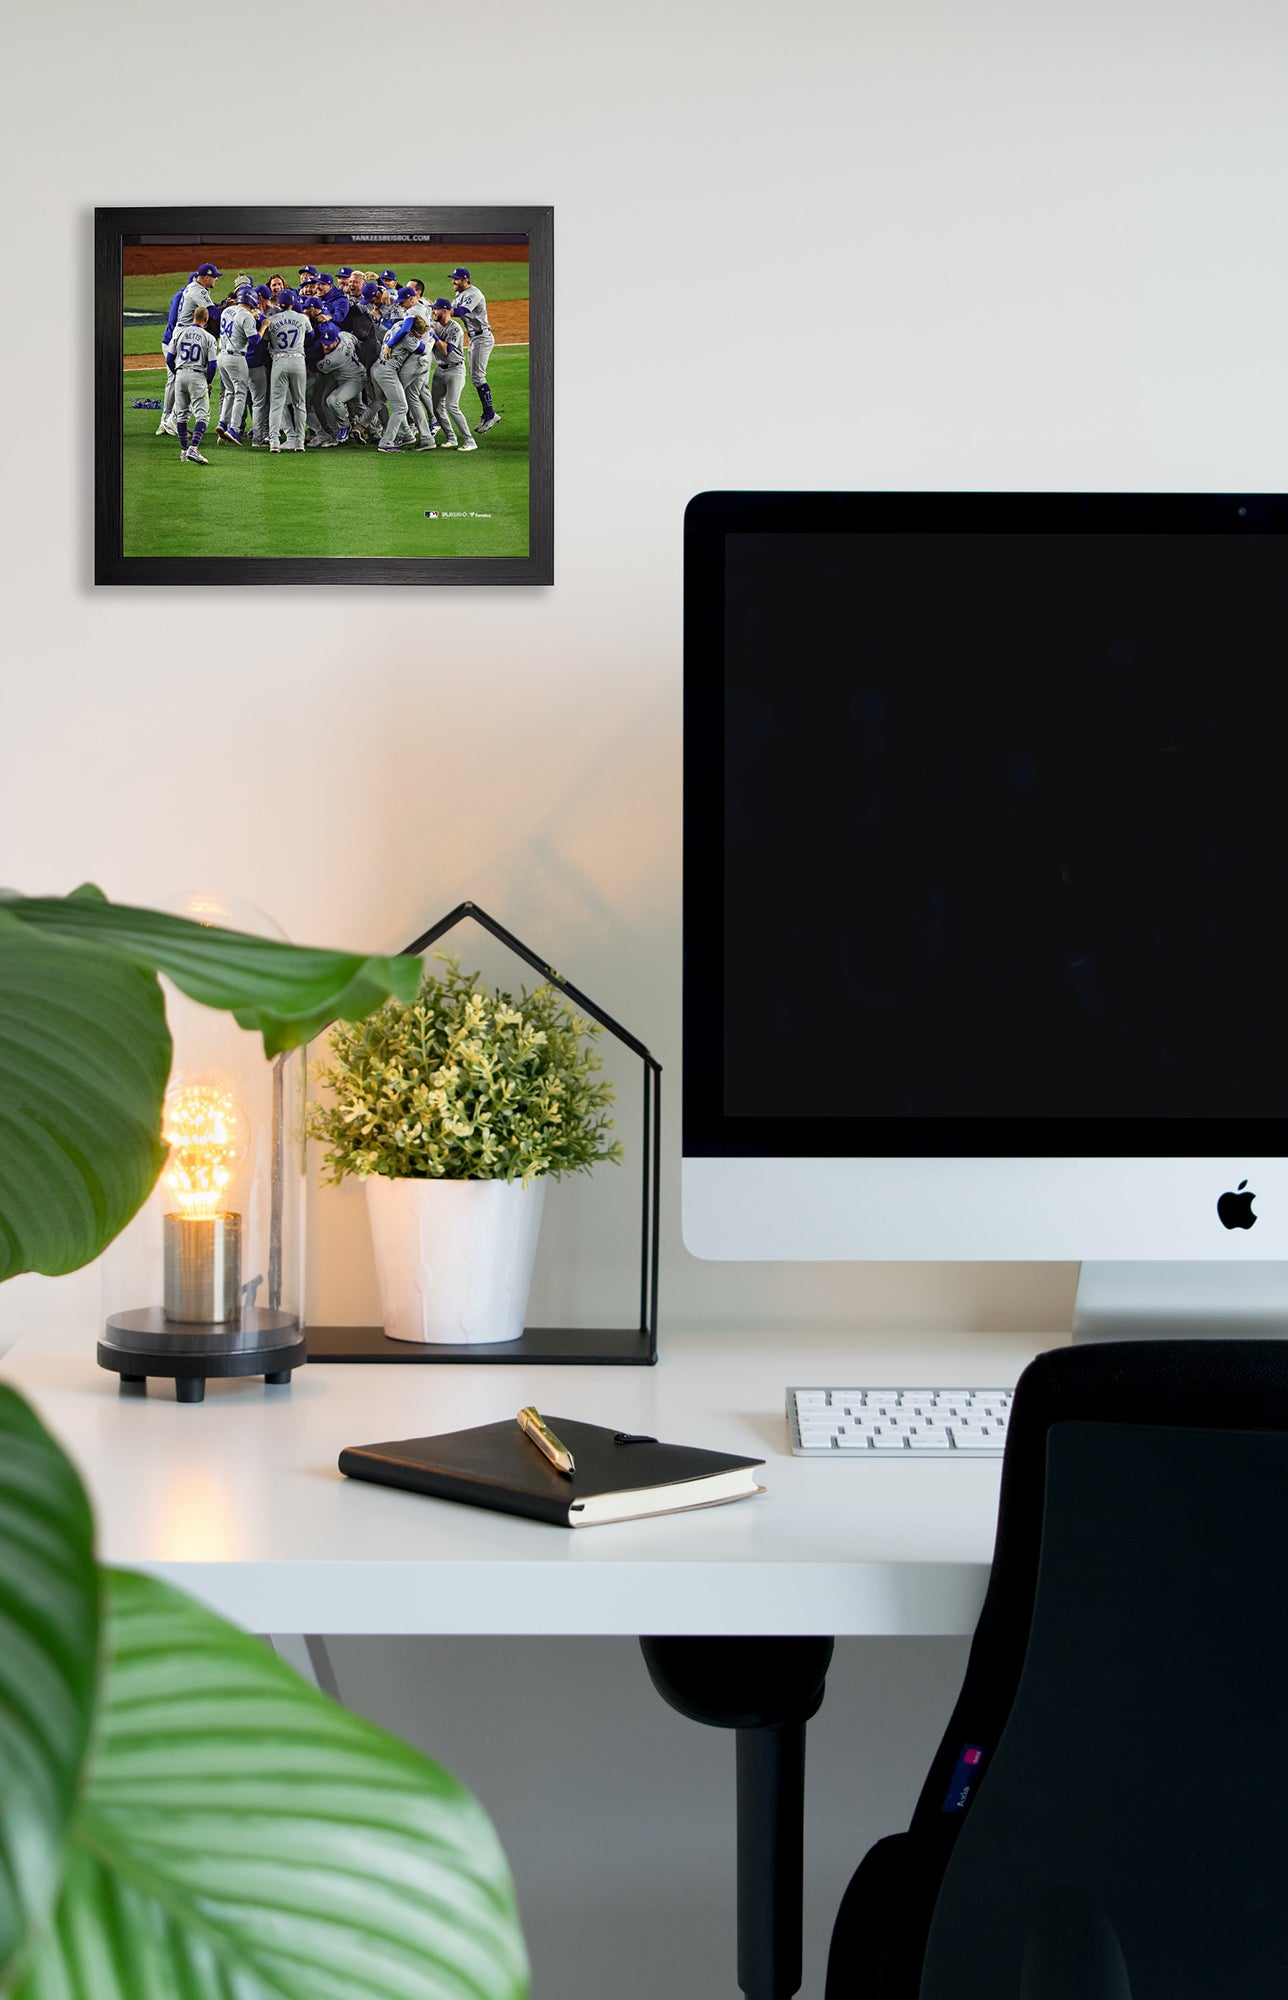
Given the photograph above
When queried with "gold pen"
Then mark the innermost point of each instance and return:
(532, 1424)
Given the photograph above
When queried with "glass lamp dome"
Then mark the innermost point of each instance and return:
(207, 1280)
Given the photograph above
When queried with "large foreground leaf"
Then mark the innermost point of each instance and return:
(48, 1645)
(288, 992)
(85, 1051)
(242, 1838)
(84, 1057)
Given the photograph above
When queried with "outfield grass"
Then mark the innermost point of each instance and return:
(353, 501)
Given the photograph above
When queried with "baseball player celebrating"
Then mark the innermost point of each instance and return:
(236, 332)
(449, 376)
(257, 363)
(407, 349)
(286, 333)
(341, 378)
(471, 310)
(182, 307)
(195, 357)
(166, 427)
(414, 365)
(386, 378)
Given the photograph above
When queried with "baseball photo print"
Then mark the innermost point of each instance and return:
(346, 396)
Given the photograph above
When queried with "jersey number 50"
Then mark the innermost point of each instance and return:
(189, 350)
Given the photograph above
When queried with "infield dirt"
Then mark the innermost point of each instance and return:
(146, 259)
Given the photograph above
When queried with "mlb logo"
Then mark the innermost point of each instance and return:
(431, 513)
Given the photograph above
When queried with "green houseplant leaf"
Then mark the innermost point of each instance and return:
(84, 1057)
(85, 1051)
(287, 992)
(240, 1837)
(48, 1645)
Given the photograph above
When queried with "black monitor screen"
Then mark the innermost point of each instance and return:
(1004, 831)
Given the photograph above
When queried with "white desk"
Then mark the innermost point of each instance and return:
(238, 1499)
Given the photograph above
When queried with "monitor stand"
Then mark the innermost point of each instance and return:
(1121, 1301)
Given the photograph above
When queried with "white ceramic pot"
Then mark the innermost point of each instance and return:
(454, 1258)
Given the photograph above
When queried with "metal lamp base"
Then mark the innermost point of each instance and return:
(138, 1344)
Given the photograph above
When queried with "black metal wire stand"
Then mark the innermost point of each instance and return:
(628, 1346)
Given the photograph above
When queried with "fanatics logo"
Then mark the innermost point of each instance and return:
(972, 1756)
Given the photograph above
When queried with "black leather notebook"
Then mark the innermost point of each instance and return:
(496, 1465)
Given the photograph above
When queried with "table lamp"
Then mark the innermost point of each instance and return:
(207, 1279)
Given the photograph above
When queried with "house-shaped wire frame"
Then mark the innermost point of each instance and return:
(621, 1346)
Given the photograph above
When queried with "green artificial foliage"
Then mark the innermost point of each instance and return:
(465, 1085)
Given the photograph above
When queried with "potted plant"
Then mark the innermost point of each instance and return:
(455, 1110)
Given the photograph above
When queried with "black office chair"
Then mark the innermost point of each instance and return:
(1106, 1817)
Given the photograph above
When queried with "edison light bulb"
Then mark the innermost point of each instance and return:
(200, 1126)
(206, 1134)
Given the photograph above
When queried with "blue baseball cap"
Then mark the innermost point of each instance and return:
(460, 272)
(206, 271)
(291, 300)
(389, 277)
(263, 292)
(245, 296)
(325, 278)
(369, 290)
(442, 305)
(308, 270)
(345, 271)
(327, 336)
(408, 292)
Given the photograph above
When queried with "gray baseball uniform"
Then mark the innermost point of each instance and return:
(285, 334)
(195, 348)
(413, 367)
(183, 315)
(471, 309)
(449, 379)
(340, 380)
(236, 331)
(194, 295)
(385, 378)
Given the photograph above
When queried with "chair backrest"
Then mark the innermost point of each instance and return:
(1105, 1817)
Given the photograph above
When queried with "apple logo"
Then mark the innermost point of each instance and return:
(1235, 1210)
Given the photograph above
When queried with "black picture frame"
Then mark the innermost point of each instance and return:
(112, 226)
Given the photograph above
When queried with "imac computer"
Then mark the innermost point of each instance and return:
(986, 889)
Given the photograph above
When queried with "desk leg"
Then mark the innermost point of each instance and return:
(309, 1657)
(766, 1690)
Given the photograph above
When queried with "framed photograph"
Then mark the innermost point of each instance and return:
(229, 342)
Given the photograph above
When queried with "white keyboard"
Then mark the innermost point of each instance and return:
(919, 1423)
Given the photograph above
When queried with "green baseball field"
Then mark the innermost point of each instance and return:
(351, 501)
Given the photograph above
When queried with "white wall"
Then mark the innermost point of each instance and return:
(1025, 243)
(1011, 245)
